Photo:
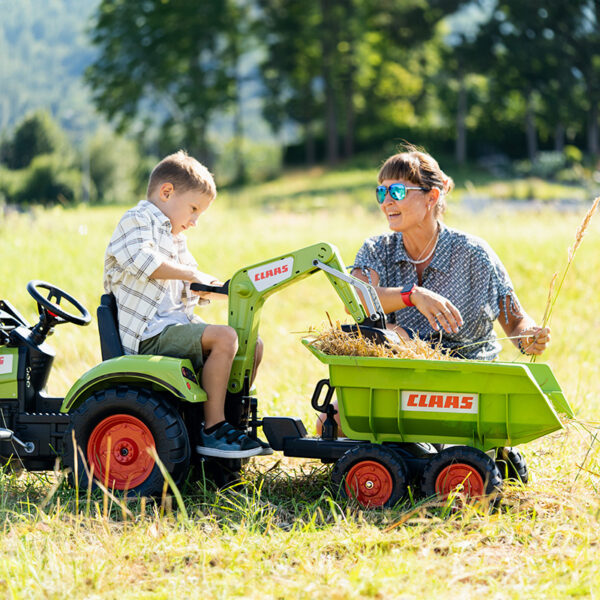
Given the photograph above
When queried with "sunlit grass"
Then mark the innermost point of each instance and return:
(283, 534)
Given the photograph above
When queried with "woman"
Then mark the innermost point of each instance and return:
(434, 281)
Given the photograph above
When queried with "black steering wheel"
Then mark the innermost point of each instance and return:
(50, 303)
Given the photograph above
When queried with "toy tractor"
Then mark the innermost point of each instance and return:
(398, 414)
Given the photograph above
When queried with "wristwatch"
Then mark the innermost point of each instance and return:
(405, 293)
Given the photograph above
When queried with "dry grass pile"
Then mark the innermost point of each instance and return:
(335, 342)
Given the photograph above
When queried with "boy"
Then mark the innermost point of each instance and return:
(149, 270)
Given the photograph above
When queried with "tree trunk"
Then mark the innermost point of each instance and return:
(241, 174)
(309, 145)
(350, 115)
(592, 132)
(460, 151)
(198, 144)
(350, 36)
(328, 42)
(559, 137)
(530, 132)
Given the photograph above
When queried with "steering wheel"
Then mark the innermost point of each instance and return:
(53, 309)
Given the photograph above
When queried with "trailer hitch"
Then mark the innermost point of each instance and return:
(6, 435)
(329, 431)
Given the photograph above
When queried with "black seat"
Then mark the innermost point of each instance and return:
(110, 341)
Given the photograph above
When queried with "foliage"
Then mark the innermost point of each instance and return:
(48, 180)
(262, 162)
(170, 58)
(36, 134)
(114, 167)
(333, 65)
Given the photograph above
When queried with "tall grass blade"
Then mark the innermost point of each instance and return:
(571, 256)
(169, 479)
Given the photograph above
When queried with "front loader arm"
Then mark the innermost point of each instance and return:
(251, 286)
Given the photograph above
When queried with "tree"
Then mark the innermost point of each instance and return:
(292, 66)
(334, 65)
(543, 50)
(168, 58)
(37, 134)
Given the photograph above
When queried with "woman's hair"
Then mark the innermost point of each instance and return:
(420, 168)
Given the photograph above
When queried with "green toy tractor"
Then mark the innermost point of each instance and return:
(432, 425)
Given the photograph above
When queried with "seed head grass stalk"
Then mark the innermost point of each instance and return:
(571, 256)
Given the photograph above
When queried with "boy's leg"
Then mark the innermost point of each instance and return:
(220, 343)
(258, 354)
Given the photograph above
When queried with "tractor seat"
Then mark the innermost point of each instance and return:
(110, 341)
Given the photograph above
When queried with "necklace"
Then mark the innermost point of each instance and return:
(419, 260)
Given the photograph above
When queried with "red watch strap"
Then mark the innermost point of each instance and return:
(406, 296)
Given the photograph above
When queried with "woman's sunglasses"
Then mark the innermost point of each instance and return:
(397, 191)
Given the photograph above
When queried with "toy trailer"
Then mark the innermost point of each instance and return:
(399, 408)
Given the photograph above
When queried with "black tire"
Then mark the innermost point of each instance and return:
(512, 465)
(472, 468)
(371, 474)
(133, 407)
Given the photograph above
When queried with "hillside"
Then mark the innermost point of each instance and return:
(43, 53)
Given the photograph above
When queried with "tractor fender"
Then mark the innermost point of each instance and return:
(162, 373)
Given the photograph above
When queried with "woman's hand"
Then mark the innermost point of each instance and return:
(437, 310)
(534, 340)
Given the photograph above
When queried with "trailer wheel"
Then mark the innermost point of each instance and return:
(371, 474)
(511, 464)
(114, 429)
(461, 468)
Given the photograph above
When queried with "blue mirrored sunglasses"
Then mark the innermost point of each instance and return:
(397, 191)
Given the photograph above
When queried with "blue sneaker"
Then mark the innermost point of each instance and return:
(228, 442)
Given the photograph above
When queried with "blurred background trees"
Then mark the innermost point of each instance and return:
(246, 84)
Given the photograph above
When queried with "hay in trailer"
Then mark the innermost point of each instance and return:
(335, 342)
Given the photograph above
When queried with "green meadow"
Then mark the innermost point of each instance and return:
(282, 534)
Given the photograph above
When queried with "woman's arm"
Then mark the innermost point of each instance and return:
(528, 337)
(434, 307)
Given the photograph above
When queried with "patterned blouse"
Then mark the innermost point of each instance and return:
(465, 270)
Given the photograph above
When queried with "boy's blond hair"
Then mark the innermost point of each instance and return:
(184, 172)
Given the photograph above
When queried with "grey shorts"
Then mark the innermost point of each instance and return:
(180, 341)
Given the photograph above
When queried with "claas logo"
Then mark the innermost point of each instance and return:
(1, 360)
(440, 402)
(271, 272)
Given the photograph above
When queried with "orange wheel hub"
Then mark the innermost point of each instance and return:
(370, 483)
(119, 444)
(457, 475)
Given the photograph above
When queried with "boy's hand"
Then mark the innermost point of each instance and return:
(206, 279)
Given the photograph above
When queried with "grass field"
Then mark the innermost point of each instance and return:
(283, 535)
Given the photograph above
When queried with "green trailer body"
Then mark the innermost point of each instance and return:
(480, 404)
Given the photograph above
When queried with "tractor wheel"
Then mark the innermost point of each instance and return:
(511, 464)
(114, 429)
(461, 468)
(371, 474)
